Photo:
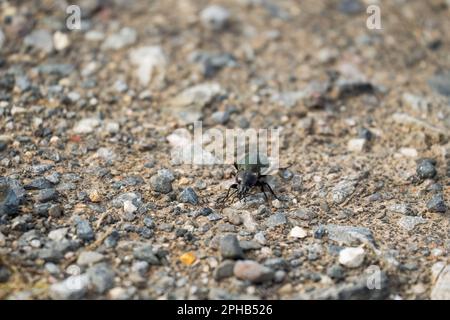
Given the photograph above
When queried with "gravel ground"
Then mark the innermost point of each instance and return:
(93, 205)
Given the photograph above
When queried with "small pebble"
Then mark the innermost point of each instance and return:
(252, 271)
(298, 232)
(230, 247)
(188, 195)
(352, 257)
(214, 17)
(437, 204)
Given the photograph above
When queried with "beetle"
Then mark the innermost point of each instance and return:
(249, 174)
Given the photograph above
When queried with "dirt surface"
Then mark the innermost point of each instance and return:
(94, 205)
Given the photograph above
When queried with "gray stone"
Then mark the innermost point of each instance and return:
(278, 219)
(437, 204)
(230, 247)
(72, 288)
(426, 168)
(41, 168)
(343, 190)
(140, 267)
(40, 39)
(402, 208)
(55, 210)
(58, 234)
(279, 276)
(224, 270)
(149, 223)
(89, 257)
(210, 64)
(409, 223)
(252, 271)
(134, 197)
(249, 222)
(348, 235)
(260, 237)
(161, 183)
(38, 184)
(350, 7)
(146, 253)
(47, 195)
(5, 274)
(84, 230)
(277, 264)
(166, 173)
(220, 117)
(336, 272)
(101, 277)
(364, 133)
(188, 195)
(11, 196)
(249, 245)
(214, 216)
(146, 232)
(52, 268)
(304, 214)
(167, 227)
(23, 83)
(441, 83)
(56, 69)
(112, 239)
(125, 37)
(50, 255)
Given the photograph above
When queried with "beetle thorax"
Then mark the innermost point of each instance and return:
(247, 180)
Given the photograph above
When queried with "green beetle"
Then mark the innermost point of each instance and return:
(249, 174)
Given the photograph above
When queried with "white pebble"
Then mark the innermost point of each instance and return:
(352, 257)
(89, 257)
(356, 145)
(298, 232)
(129, 207)
(408, 152)
(148, 60)
(215, 17)
(58, 234)
(85, 126)
(60, 40)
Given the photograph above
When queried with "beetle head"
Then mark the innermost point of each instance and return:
(246, 180)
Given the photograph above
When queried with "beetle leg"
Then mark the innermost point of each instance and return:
(270, 189)
(233, 186)
(264, 191)
(236, 195)
(261, 184)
